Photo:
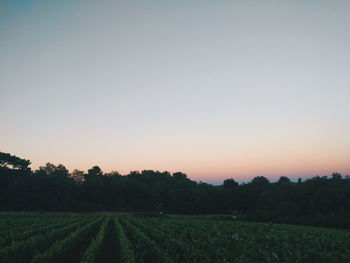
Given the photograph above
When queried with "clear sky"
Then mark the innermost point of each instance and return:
(215, 89)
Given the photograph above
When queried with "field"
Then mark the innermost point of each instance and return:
(110, 238)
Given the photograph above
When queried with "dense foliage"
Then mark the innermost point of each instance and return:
(323, 201)
(102, 238)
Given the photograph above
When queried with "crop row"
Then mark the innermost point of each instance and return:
(92, 238)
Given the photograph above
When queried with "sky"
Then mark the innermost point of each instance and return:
(215, 89)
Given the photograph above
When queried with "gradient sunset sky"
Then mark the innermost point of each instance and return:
(215, 89)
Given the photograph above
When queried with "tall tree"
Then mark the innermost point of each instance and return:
(11, 161)
(53, 170)
(95, 171)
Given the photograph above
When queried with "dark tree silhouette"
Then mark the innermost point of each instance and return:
(320, 201)
(77, 175)
(284, 180)
(7, 160)
(230, 183)
(95, 171)
(53, 170)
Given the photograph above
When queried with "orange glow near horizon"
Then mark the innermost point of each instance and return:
(203, 158)
(211, 166)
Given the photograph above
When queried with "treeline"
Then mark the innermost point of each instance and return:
(323, 201)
